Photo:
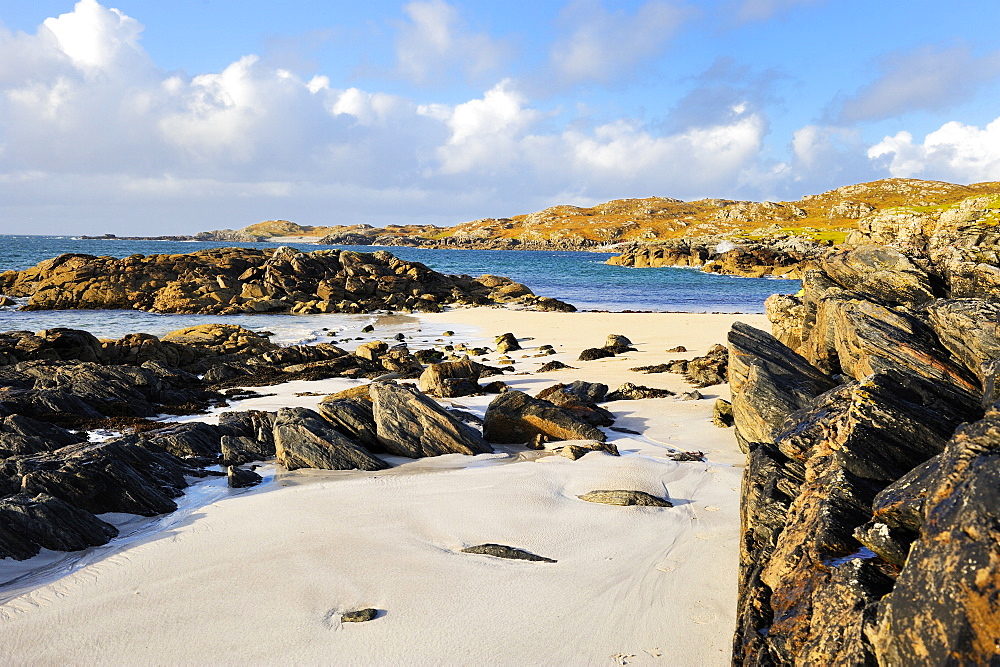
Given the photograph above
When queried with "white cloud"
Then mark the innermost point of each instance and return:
(95, 37)
(485, 133)
(435, 41)
(928, 78)
(94, 134)
(955, 152)
(603, 46)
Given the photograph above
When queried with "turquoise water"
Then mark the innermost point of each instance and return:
(581, 278)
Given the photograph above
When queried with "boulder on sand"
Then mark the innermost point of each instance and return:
(515, 417)
(303, 439)
(408, 423)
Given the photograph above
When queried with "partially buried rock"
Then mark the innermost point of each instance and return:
(693, 395)
(574, 451)
(503, 551)
(358, 616)
(552, 366)
(594, 353)
(639, 498)
(635, 392)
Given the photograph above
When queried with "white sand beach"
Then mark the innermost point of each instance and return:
(261, 576)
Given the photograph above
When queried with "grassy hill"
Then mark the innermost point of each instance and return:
(829, 216)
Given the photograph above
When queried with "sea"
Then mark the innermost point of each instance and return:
(580, 278)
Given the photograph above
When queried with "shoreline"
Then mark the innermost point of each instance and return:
(677, 565)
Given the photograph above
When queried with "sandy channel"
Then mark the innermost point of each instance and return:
(262, 576)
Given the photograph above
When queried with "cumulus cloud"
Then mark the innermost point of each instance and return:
(94, 134)
(435, 41)
(955, 152)
(94, 37)
(602, 46)
(928, 78)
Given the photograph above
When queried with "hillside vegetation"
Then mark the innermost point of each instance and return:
(828, 216)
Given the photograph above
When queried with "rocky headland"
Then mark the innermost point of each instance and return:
(870, 506)
(246, 280)
(722, 235)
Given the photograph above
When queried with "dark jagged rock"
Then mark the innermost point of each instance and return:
(769, 381)
(595, 353)
(553, 366)
(844, 612)
(858, 337)
(29, 523)
(578, 391)
(635, 392)
(303, 439)
(885, 274)
(969, 329)
(191, 439)
(408, 423)
(515, 417)
(722, 413)
(770, 482)
(943, 607)
(574, 450)
(112, 476)
(625, 498)
(20, 434)
(503, 551)
(241, 478)
(354, 418)
(246, 436)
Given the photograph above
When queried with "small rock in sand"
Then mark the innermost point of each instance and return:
(553, 366)
(693, 395)
(503, 551)
(619, 497)
(239, 478)
(359, 616)
(506, 343)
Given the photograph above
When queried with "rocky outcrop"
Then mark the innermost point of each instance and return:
(246, 280)
(752, 260)
(868, 509)
(408, 423)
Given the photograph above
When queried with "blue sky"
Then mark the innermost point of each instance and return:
(150, 117)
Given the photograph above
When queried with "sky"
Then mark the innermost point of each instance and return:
(147, 117)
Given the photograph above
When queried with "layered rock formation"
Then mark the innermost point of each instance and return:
(869, 499)
(246, 280)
